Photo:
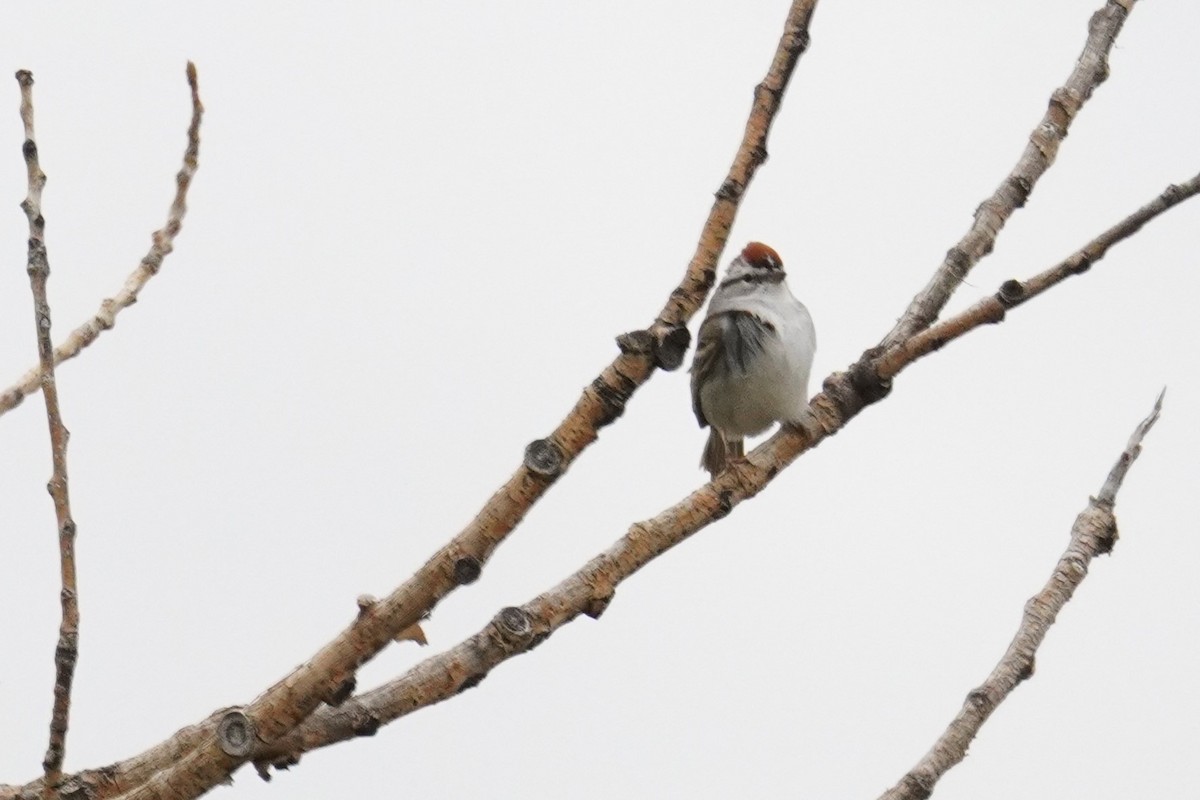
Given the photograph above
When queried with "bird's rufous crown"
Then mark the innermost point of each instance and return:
(759, 255)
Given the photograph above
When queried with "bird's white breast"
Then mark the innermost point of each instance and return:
(774, 386)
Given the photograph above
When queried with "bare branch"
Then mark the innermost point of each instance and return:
(162, 245)
(1093, 534)
(67, 650)
(326, 675)
(1133, 448)
(686, 300)
(1012, 293)
(1090, 71)
(589, 590)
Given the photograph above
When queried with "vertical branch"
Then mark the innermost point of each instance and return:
(67, 650)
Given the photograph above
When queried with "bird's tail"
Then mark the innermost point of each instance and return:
(718, 452)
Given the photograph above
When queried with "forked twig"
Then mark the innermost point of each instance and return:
(329, 674)
(516, 630)
(1093, 534)
(1090, 71)
(993, 308)
(162, 244)
(66, 652)
(589, 590)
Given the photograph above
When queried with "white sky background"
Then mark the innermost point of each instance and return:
(415, 232)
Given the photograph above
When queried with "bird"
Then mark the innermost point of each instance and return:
(753, 356)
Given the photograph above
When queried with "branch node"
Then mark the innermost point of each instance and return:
(980, 700)
(369, 726)
(612, 398)
(1108, 537)
(637, 343)
(866, 380)
(1012, 293)
(841, 395)
(365, 603)
(597, 605)
(343, 692)
(544, 457)
(514, 626)
(730, 191)
(670, 347)
(235, 734)
(467, 570)
(1079, 263)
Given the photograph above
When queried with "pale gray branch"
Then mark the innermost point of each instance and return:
(1093, 534)
(66, 651)
(1012, 293)
(1090, 71)
(162, 244)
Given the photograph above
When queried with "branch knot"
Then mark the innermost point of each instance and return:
(669, 346)
(235, 734)
(545, 458)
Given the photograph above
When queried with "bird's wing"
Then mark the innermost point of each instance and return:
(704, 363)
(727, 341)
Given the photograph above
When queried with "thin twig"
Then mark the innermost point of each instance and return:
(163, 243)
(329, 672)
(67, 650)
(1090, 71)
(1093, 534)
(589, 590)
(992, 308)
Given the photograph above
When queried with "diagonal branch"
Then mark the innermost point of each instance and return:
(329, 675)
(589, 590)
(1012, 293)
(1093, 534)
(66, 652)
(163, 243)
(1065, 103)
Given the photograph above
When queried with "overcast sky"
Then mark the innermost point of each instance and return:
(415, 232)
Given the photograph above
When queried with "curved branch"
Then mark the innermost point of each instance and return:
(1090, 71)
(162, 245)
(589, 590)
(1093, 534)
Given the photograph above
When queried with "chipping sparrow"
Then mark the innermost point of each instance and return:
(753, 356)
